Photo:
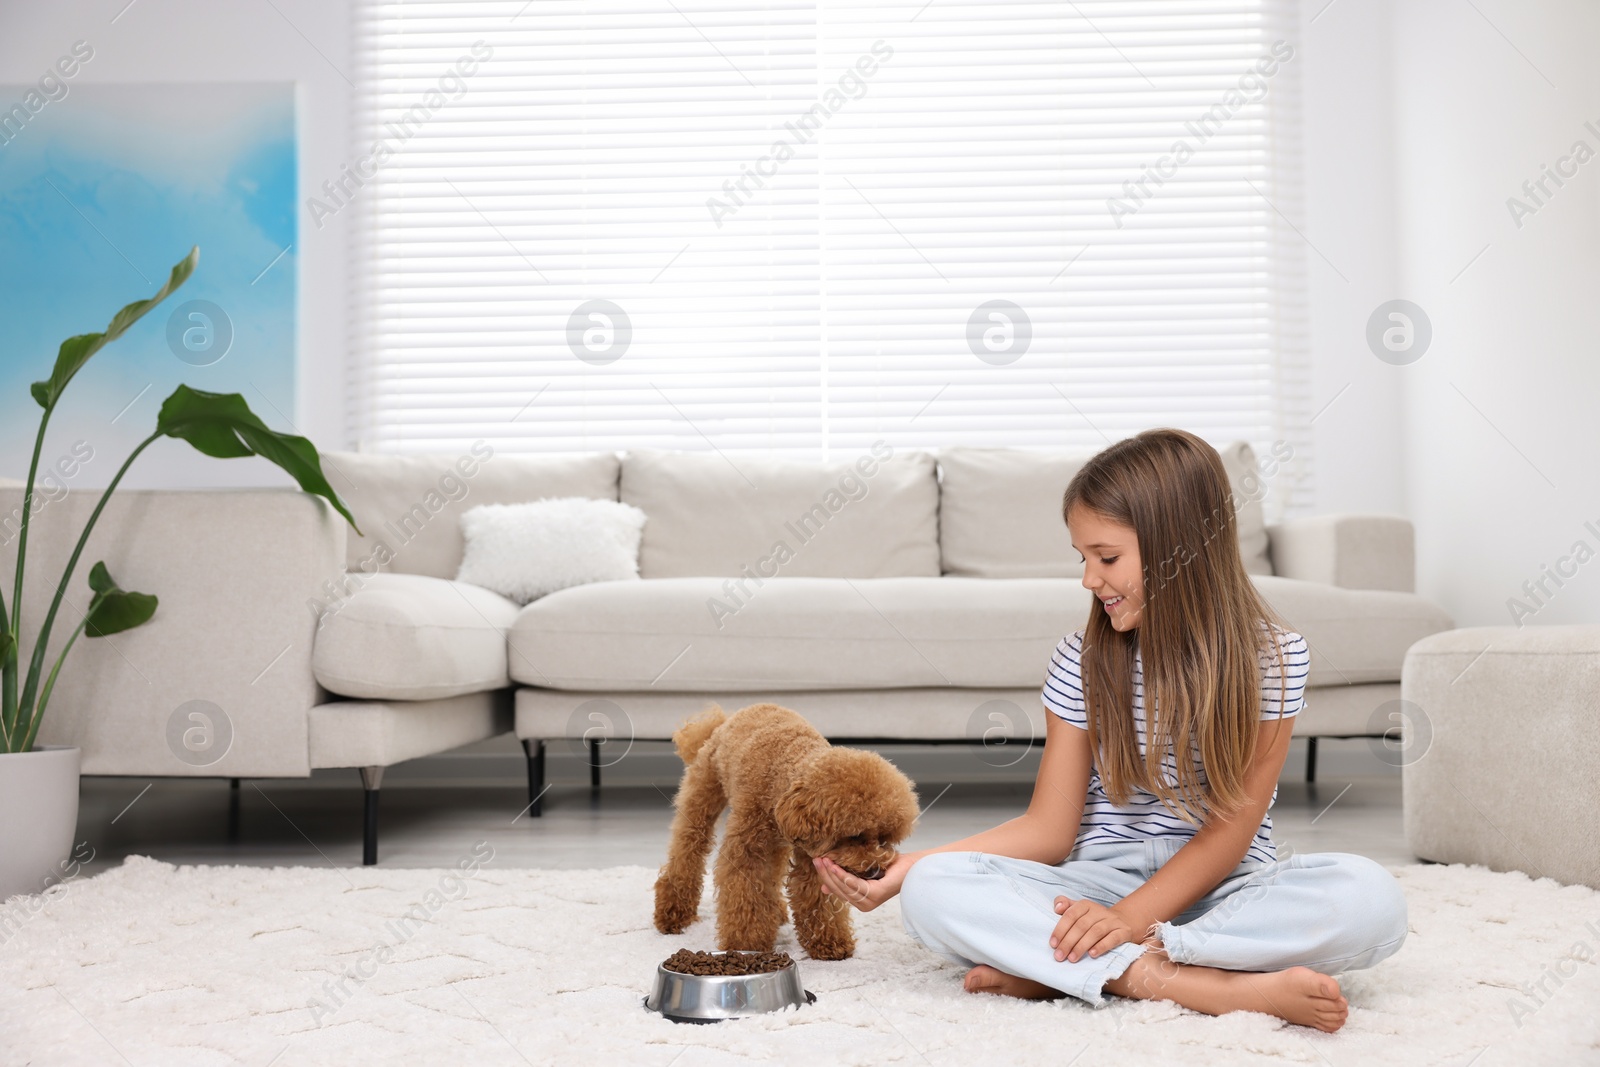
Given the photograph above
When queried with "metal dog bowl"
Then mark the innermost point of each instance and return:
(710, 998)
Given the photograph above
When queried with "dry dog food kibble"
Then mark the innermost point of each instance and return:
(686, 961)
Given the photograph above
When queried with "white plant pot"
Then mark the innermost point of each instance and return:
(39, 799)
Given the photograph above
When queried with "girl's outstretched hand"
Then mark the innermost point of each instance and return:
(861, 894)
(1089, 929)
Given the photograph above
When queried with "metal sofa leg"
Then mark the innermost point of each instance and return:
(534, 751)
(1311, 760)
(371, 782)
(594, 764)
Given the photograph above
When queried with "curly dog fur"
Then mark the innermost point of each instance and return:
(790, 796)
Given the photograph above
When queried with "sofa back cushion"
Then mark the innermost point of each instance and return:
(1249, 486)
(710, 515)
(1000, 511)
(409, 507)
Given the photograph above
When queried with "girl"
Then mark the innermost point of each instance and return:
(1135, 872)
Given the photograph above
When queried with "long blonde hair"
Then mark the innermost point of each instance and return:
(1199, 636)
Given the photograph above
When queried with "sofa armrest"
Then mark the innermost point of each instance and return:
(240, 574)
(1348, 551)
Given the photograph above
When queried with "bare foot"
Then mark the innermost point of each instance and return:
(986, 979)
(1298, 995)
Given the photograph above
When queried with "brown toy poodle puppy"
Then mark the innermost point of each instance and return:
(791, 796)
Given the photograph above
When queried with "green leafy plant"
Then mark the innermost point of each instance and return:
(217, 424)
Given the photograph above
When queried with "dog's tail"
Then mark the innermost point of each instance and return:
(689, 738)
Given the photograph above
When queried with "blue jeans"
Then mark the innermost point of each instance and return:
(1330, 911)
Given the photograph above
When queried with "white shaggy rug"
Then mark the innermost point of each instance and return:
(151, 964)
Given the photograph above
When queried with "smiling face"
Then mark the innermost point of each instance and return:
(1112, 569)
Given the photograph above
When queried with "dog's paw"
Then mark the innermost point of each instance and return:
(671, 920)
(830, 949)
(833, 952)
(675, 926)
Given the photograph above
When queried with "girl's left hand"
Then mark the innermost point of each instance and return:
(1088, 928)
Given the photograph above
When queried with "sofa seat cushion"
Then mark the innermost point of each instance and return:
(799, 634)
(1355, 636)
(411, 637)
(697, 634)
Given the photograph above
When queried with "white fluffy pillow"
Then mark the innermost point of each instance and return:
(524, 551)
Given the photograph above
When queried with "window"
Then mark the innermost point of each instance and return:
(806, 226)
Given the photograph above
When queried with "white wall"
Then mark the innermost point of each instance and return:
(1357, 432)
(1501, 413)
(210, 41)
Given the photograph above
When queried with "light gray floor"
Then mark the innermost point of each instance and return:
(434, 821)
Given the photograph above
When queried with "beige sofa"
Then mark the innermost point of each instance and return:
(888, 597)
(914, 598)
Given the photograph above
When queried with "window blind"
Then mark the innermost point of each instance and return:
(807, 226)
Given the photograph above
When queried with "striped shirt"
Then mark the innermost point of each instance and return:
(1145, 815)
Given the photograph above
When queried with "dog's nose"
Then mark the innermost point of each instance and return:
(874, 873)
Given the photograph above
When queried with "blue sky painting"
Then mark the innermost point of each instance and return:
(101, 192)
